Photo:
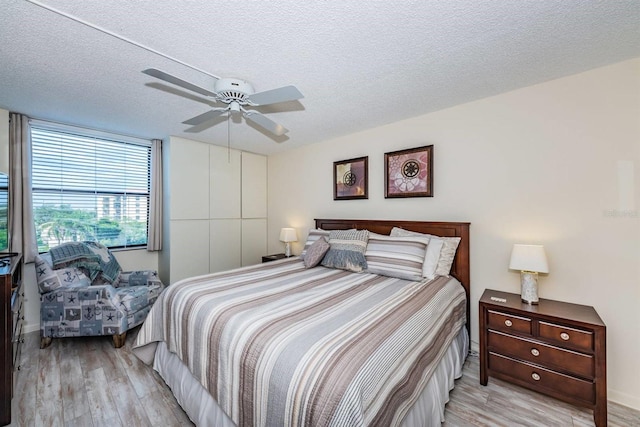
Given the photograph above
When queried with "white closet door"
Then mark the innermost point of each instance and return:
(189, 249)
(254, 240)
(189, 179)
(254, 186)
(225, 184)
(225, 249)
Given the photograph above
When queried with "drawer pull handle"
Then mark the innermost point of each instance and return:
(508, 322)
(535, 352)
(565, 336)
(535, 376)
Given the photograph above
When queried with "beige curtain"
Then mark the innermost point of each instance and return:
(154, 232)
(21, 225)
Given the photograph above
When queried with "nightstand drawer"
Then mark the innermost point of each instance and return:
(509, 323)
(539, 378)
(567, 337)
(542, 354)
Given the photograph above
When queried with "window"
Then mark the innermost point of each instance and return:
(89, 185)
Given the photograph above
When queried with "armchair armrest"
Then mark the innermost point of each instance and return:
(140, 278)
(75, 294)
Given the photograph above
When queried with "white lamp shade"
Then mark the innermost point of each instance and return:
(288, 235)
(529, 258)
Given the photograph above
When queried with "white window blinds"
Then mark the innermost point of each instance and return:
(89, 186)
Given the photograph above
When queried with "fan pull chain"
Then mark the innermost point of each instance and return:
(229, 136)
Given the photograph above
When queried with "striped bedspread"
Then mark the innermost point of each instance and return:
(280, 345)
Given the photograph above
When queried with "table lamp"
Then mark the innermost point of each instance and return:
(288, 235)
(530, 260)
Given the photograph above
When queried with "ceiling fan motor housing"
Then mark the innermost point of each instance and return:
(233, 90)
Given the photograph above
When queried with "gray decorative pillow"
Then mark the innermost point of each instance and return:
(314, 234)
(316, 252)
(347, 250)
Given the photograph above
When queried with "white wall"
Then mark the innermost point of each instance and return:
(556, 164)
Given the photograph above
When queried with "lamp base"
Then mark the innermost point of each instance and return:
(287, 249)
(529, 287)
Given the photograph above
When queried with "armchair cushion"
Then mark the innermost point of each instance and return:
(49, 279)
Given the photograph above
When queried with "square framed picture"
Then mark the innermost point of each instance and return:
(350, 179)
(409, 173)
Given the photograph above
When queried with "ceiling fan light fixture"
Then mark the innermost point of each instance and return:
(235, 108)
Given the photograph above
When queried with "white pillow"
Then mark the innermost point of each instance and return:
(431, 258)
(446, 251)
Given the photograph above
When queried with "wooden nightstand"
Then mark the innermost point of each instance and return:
(267, 258)
(555, 348)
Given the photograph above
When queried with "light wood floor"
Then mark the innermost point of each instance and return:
(86, 382)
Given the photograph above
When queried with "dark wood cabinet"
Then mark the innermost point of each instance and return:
(554, 347)
(12, 318)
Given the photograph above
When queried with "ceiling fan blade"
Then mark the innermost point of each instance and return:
(209, 115)
(273, 96)
(176, 81)
(267, 124)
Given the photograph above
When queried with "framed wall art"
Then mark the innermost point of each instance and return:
(350, 180)
(409, 173)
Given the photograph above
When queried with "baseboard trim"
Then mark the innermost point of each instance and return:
(623, 399)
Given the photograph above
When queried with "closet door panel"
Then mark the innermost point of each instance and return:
(254, 186)
(189, 249)
(225, 183)
(189, 179)
(254, 240)
(225, 249)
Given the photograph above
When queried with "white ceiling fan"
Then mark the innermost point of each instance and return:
(236, 94)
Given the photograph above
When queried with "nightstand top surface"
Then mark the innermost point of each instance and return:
(275, 256)
(545, 307)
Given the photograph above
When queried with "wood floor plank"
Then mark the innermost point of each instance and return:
(116, 389)
(49, 388)
(103, 407)
(110, 362)
(137, 372)
(127, 403)
(74, 395)
(158, 413)
(83, 420)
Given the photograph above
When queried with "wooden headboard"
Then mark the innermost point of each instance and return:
(459, 270)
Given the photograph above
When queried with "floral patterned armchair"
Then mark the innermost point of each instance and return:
(83, 292)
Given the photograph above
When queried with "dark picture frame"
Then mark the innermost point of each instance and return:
(351, 179)
(409, 173)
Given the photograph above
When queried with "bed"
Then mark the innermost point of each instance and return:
(280, 344)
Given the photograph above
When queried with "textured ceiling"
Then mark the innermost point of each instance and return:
(359, 64)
